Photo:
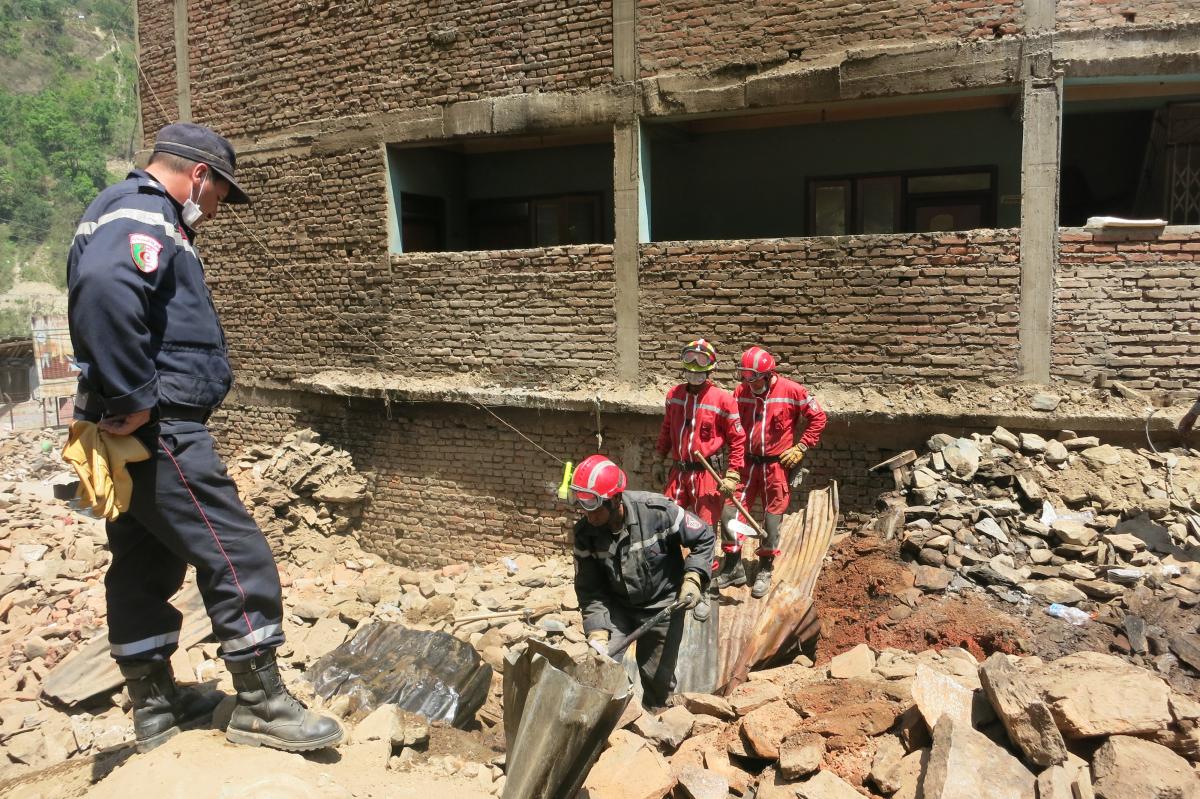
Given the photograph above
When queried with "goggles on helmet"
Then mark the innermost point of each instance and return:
(751, 376)
(587, 500)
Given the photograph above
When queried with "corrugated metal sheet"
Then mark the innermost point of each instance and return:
(557, 716)
(432, 674)
(752, 630)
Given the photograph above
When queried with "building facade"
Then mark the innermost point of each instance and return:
(482, 231)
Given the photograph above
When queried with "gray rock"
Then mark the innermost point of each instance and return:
(1101, 456)
(939, 441)
(1056, 453)
(991, 528)
(1053, 590)
(1043, 401)
(931, 578)
(1070, 531)
(1087, 442)
(800, 754)
(965, 763)
(1006, 439)
(701, 783)
(826, 785)
(1032, 443)
(962, 457)
(1100, 589)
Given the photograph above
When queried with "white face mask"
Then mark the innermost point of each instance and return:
(191, 209)
(695, 378)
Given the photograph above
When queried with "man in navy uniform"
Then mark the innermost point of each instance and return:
(153, 365)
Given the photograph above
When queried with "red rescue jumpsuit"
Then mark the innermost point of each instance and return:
(706, 421)
(772, 421)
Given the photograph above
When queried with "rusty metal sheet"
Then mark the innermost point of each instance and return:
(753, 630)
(557, 716)
(432, 674)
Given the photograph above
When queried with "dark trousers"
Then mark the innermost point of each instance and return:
(186, 510)
(657, 651)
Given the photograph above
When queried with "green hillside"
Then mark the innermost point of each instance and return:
(68, 112)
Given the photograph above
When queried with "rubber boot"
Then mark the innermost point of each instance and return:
(160, 707)
(762, 583)
(268, 715)
(733, 571)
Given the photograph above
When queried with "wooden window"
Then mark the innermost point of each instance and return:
(912, 202)
(547, 221)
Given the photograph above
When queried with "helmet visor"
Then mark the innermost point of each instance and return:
(696, 360)
(750, 375)
(588, 500)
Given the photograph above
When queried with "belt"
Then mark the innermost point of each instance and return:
(689, 466)
(183, 413)
(763, 458)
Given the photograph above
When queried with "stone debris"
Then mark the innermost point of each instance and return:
(1042, 521)
(876, 722)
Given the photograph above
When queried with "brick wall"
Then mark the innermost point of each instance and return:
(156, 52)
(452, 484)
(532, 317)
(699, 35)
(263, 66)
(852, 308)
(1129, 309)
(301, 281)
(1086, 14)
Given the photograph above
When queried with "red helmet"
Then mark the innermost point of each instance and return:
(756, 364)
(596, 479)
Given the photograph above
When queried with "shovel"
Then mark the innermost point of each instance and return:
(617, 648)
(740, 528)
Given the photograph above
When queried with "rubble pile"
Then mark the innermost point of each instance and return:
(301, 493)
(1087, 530)
(931, 725)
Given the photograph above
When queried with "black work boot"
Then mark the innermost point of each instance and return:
(160, 707)
(733, 571)
(762, 583)
(267, 715)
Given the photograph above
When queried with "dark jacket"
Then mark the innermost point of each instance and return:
(143, 324)
(641, 566)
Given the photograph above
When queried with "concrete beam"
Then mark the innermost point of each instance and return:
(1041, 134)
(183, 88)
(1142, 51)
(627, 202)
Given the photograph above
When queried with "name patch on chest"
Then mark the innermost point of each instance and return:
(144, 251)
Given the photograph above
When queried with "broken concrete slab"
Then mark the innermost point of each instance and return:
(702, 783)
(965, 763)
(1026, 718)
(825, 785)
(800, 754)
(610, 777)
(707, 704)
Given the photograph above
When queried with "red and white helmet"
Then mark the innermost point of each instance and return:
(757, 363)
(596, 479)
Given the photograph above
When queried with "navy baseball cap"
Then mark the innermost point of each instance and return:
(206, 146)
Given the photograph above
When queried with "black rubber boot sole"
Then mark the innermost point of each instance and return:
(246, 738)
(145, 745)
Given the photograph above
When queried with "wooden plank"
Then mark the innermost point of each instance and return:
(903, 459)
(91, 670)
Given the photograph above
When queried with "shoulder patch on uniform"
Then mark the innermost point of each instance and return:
(144, 250)
(693, 522)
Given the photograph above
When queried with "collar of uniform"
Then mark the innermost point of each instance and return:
(147, 181)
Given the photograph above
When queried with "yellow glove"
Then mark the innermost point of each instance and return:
(729, 482)
(689, 592)
(792, 457)
(99, 459)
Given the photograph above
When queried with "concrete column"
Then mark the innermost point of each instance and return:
(629, 222)
(1041, 129)
(626, 199)
(183, 89)
(625, 40)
